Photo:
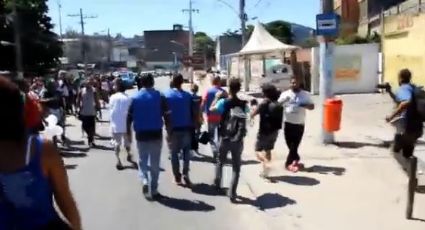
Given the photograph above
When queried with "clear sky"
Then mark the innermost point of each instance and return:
(131, 17)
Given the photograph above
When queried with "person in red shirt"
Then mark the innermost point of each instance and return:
(32, 109)
(213, 118)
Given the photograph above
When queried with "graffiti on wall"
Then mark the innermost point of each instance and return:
(348, 67)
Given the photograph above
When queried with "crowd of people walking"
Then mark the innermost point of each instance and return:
(32, 172)
(146, 114)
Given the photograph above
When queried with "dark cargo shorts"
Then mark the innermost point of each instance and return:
(265, 142)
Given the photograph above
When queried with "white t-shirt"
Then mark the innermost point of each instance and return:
(119, 105)
(291, 101)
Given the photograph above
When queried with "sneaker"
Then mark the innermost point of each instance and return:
(294, 166)
(145, 189)
(187, 181)
(232, 199)
(289, 168)
(178, 180)
(157, 197)
(299, 165)
(119, 167)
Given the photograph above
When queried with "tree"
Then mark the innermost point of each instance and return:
(40, 46)
(71, 33)
(310, 42)
(281, 30)
(204, 44)
(231, 33)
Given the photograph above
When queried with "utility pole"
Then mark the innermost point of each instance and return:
(191, 11)
(18, 45)
(247, 69)
(60, 17)
(327, 47)
(243, 18)
(83, 37)
(109, 46)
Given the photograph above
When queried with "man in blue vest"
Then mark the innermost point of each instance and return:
(182, 122)
(148, 113)
(213, 118)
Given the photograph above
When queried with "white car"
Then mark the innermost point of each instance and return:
(279, 76)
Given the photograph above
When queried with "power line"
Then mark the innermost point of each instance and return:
(228, 5)
(258, 3)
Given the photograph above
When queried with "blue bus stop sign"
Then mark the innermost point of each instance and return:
(328, 24)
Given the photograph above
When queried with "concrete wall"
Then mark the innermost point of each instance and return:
(404, 46)
(356, 69)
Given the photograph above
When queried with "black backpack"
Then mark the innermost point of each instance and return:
(271, 117)
(233, 124)
(415, 113)
(418, 101)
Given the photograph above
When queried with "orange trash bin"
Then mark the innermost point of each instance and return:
(332, 114)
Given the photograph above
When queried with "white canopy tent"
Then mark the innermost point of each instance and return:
(261, 45)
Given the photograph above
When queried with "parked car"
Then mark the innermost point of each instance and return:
(278, 75)
(128, 78)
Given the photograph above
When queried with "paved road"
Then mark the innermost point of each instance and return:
(111, 199)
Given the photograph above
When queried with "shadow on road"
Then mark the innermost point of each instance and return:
(102, 121)
(417, 219)
(208, 159)
(186, 205)
(70, 167)
(103, 147)
(71, 154)
(206, 189)
(72, 142)
(358, 145)
(102, 138)
(295, 180)
(266, 201)
(74, 149)
(338, 171)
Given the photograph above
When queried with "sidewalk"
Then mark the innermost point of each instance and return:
(358, 185)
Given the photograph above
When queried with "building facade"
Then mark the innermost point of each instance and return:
(362, 16)
(163, 48)
(226, 44)
(403, 41)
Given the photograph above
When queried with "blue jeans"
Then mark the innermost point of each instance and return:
(149, 160)
(235, 149)
(213, 132)
(181, 142)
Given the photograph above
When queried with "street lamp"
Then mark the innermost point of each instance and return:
(145, 53)
(177, 43)
(175, 64)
